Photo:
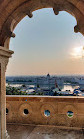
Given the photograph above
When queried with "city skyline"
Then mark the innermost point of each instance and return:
(46, 43)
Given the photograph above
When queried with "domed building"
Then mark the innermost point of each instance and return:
(48, 76)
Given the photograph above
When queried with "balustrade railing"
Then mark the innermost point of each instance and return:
(45, 110)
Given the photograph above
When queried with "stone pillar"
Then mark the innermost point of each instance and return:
(4, 57)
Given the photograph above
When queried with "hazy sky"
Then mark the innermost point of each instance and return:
(45, 44)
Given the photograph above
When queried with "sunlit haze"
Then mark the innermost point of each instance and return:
(46, 43)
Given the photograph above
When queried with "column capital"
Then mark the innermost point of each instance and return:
(5, 54)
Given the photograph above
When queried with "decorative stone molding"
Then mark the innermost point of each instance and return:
(56, 11)
(29, 13)
(76, 29)
(8, 32)
(11, 34)
(5, 54)
(58, 7)
(13, 15)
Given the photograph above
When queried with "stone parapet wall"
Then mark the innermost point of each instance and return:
(36, 106)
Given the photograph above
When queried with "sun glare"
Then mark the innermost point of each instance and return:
(77, 52)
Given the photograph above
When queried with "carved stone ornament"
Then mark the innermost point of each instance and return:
(29, 13)
(76, 29)
(5, 54)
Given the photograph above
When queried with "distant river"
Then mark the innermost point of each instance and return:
(62, 87)
(68, 87)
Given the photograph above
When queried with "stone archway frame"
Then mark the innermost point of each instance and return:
(15, 11)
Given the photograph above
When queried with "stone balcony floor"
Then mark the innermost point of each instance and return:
(43, 132)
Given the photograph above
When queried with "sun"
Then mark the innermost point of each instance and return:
(78, 52)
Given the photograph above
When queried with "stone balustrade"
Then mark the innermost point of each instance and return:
(45, 110)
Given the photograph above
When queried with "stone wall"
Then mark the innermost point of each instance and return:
(64, 111)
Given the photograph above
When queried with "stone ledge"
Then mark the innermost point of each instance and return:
(5, 52)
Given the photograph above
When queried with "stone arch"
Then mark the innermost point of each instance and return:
(14, 11)
(11, 13)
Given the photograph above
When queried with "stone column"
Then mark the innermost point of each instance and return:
(4, 57)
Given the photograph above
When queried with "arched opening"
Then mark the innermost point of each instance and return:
(43, 48)
(27, 7)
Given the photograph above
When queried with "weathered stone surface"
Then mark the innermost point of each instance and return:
(36, 105)
(4, 57)
(43, 132)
